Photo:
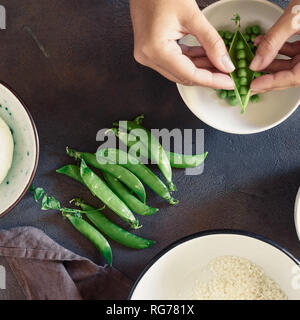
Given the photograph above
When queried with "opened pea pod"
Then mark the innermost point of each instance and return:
(241, 49)
(241, 56)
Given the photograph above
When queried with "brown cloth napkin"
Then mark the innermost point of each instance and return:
(44, 270)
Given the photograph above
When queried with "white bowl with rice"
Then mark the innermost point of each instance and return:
(220, 265)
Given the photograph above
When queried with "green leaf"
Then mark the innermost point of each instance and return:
(236, 19)
(50, 203)
(37, 193)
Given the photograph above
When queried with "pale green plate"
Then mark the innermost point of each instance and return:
(14, 112)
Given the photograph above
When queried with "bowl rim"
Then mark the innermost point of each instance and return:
(297, 214)
(36, 137)
(204, 234)
(262, 129)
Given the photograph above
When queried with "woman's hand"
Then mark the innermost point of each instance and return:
(158, 24)
(283, 73)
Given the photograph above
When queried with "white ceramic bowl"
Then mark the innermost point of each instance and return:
(273, 108)
(297, 214)
(14, 112)
(173, 273)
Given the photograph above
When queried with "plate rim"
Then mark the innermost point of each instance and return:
(37, 143)
(209, 233)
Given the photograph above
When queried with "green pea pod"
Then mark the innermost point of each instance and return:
(130, 200)
(176, 160)
(155, 149)
(122, 174)
(186, 161)
(100, 189)
(93, 235)
(71, 171)
(242, 77)
(112, 230)
(138, 169)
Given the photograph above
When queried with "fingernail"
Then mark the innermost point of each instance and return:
(256, 62)
(227, 63)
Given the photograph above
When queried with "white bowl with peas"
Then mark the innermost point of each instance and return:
(220, 109)
(19, 148)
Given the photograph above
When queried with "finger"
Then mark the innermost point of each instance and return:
(258, 40)
(272, 42)
(277, 81)
(181, 67)
(196, 51)
(280, 64)
(202, 62)
(290, 49)
(212, 42)
(166, 74)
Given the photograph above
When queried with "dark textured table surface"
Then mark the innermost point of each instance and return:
(83, 78)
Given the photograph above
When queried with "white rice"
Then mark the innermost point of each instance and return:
(235, 278)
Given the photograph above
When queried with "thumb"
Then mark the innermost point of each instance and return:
(213, 44)
(271, 43)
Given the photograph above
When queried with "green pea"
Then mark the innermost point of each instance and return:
(243, 81)
(228, 35)
(256, 30)
(243, 90)
(240, 45)
(223, 94)
(253, 37)
(242, 63)
(249, 30)
(221, 33)
(241, 54)
(231, 93)
(242, 72)
(247, 37)
(257, 74)
(254, 98)
(233, 101)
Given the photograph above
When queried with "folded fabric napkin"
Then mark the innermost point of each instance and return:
(37, 268)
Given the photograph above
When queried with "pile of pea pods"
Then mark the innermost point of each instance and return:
(242, 48)
(119, 185)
